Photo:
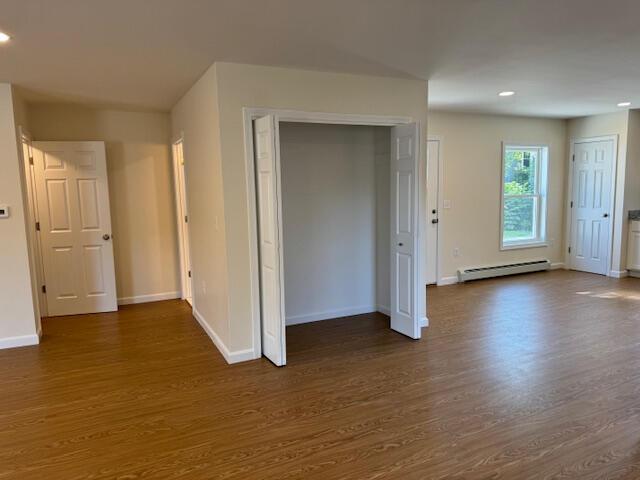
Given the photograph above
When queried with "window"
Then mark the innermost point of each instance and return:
(524, 196)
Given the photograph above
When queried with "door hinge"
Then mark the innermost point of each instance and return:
(571, 203)
(30, 160)
(44, 289)
(186, 219)
(37, 226)
(189, 273)
(573, 158)
(569, 249)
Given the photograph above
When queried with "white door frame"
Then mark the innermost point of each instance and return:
(182, 211)
(614, 216)
(31, 214)
(250, 114)
(440, 207)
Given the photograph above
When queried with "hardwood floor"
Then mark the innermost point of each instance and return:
(529, 377)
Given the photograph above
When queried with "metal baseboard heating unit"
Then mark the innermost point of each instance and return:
(476, 273)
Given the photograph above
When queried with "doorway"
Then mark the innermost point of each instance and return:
(433, 209)
(179, 176)
(406, 289)
(591, 204)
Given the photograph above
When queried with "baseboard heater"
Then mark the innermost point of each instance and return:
(466, 274)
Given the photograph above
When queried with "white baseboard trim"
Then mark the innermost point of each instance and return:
(557, 266)
(424, 322)
(155, 297)
(384, 309)
(633, 273)
(230, 357)
(21, 341)
(447, 281)
(342, 312)
(618, 273)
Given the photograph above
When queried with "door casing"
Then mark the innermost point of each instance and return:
(249, 115)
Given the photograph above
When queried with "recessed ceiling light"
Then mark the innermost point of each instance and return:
(507, 93)
(624, 104)
(4, 37)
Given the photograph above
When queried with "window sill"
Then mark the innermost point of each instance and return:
(523, 245)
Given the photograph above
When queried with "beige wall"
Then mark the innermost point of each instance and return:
(257, 86)
(471, 159)
(140, 188)
(196, 118)
(597, 126)
(18, 323)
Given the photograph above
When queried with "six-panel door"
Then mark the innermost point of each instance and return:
(75, 227)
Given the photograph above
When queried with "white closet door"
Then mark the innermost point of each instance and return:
(404, 230)
(75, 227)
(270, 237)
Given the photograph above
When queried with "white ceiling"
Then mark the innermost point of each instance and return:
(563, 57)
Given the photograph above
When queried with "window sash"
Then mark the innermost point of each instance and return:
(538, 196)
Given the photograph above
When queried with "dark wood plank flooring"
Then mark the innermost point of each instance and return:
(529, 377)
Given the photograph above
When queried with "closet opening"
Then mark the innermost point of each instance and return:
(337, 223)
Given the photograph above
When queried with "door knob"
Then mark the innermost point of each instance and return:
(606, 215)
(106, 236)
(435, 220)
(400, 244)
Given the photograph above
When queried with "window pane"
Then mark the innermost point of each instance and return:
(519, 219)
(520, 167)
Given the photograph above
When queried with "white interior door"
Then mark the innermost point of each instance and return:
(270, 239)
(75, 227)
(183, 220)
(433, 173)
(591, 206)
(404, 230)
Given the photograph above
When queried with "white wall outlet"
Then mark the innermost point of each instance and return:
(4, 211)
(203, 287)
(456, 252)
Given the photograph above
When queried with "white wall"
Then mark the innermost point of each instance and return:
(18, 322)
(330, 214)
(140, 190)
(610, 124)
(196, 116)
(471, 159)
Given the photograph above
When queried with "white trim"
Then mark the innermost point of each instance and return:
(440, 206)
(182, 210)
(31, 214)
(557, 266)
(424, 322)
(619, 273)
(230, 357)
(251, 113)
(22, 341)
(154, 297)
(330, 314)
(542, 173)
(447, 281)
(569, 218)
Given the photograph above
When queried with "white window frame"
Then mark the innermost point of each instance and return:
(542, 184)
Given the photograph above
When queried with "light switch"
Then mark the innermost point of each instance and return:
(446, 204)
(4, 211)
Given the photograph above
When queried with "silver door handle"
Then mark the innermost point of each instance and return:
(106, 237)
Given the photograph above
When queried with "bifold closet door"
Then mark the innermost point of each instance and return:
(75, 227)
(404, 230)
(267, 154)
